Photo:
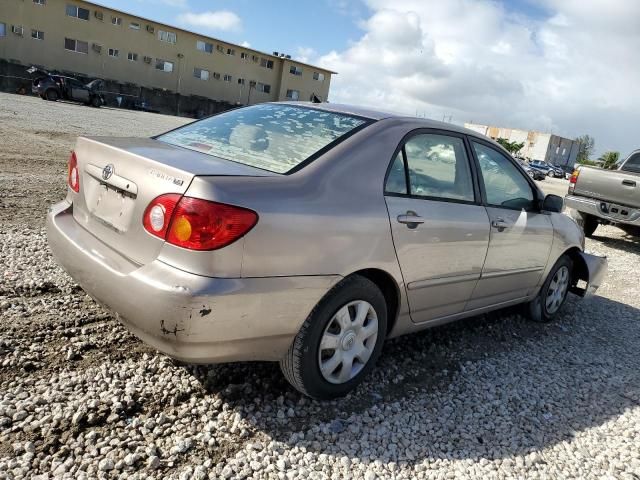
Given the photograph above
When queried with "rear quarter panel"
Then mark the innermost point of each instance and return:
(328, 218)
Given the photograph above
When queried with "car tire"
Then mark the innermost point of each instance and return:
(323, 372)
(549, 173)
(553, 293)
(588, 223)
(96, 102)
(51, 95)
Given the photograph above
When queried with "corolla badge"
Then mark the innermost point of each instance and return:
(107, 171)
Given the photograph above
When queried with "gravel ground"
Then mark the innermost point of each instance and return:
(492, 396)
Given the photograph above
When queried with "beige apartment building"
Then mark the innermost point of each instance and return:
(96, 41)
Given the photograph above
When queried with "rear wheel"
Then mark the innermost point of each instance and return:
(96, 102)
(51, 95)
(589, 223)
(339, 342)
(553, 293)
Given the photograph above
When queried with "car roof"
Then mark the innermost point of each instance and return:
(373, 114)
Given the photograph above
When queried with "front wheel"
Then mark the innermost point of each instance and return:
(96, 102)
(51, 95)
(553, 293)
(340, 341)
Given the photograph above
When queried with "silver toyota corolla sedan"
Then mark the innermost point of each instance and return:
(308, 234)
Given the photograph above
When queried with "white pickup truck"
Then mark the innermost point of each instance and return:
(607, 196)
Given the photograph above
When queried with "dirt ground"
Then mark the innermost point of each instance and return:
(35, 142)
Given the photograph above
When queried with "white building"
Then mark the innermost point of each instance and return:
(537, 145)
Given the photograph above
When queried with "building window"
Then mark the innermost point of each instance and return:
(241, 81)
(293, 94)
(3, 29)
(116, 21)
(564, 151)
(244, 55)
(201, 74)
(227, 77)
(114, 52)
(39, 2)
(220, 48)
(134, 25)
(231, 51)
(295, 70)
(164, 65)
(216, 75)
(169, 37)
(204, 46)
(76, 45)
(132, 57)
(318, 76)
(263, 87)
(266, 63)
(254, 58)
(37, 34)
(77, 12)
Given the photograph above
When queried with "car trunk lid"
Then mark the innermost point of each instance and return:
(119, 177)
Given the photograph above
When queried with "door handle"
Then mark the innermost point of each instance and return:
(629, 183)
(499, 224)
(410, 219)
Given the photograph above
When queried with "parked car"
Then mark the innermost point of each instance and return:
(558, 172)
(308, 234)
(54, 87)
(608, 197)
(543, 166)
(532, 172)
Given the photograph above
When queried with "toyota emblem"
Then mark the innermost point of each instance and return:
(107, 172)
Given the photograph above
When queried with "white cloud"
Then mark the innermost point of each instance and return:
(571, 72)
(246, 44)
(305, 54)
(223, 20)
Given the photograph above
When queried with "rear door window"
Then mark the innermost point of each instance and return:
(438, 169)
(273, 137)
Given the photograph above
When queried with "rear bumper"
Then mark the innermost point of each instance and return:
(603, 210)
(189, 317)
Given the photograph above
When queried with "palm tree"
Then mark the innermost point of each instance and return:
(610, 160)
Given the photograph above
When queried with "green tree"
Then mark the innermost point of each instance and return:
(610, 160)
(511, 147)
(586, 144)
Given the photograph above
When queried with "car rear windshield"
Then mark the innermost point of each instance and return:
(273, 137)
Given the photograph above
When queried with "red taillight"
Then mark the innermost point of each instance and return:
(574, 176)
(573, 179)
(157, 215)
(73, 177)
(197, 224)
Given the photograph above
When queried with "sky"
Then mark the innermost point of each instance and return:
(568, 67)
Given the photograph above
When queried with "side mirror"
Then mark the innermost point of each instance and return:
(553, 203)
